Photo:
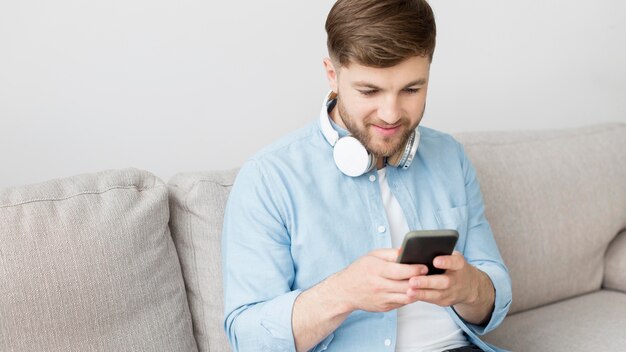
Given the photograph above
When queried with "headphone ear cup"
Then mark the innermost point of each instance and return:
(352, 158)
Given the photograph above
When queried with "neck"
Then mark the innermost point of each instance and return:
(380, 163)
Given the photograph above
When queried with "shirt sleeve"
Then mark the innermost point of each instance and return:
(481, 249)
(258, 269)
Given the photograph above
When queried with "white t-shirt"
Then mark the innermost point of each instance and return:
(421, 326)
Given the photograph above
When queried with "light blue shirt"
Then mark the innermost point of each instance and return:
(293, 219)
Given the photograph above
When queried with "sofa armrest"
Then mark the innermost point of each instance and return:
(615, 264)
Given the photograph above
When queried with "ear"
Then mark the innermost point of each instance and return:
(331, 74)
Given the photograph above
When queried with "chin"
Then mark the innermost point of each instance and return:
(385, 150)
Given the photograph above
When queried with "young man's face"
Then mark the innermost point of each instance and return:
(380, 106)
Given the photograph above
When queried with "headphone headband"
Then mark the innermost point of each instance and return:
(328, 131)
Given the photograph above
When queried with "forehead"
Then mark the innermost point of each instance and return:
(412, 69)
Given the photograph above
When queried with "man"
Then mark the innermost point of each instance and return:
(314, 221)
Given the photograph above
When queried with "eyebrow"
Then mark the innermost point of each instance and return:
(364, 84)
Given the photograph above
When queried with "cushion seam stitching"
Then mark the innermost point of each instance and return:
(54, 199)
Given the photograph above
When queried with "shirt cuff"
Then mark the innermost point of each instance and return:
(276, 322)
(502, 286)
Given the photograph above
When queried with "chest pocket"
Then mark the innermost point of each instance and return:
(454, 218)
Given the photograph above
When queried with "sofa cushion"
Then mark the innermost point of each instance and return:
(592, 322)
(555, 200)
(87, 264)
(615, 266)
(197, 202)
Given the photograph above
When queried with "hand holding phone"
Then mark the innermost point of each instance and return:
(421, 247)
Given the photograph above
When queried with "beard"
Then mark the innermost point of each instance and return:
(385, 146)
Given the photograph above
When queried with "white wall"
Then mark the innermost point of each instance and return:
(176, 86)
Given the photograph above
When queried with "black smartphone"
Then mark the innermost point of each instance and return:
(421, 247)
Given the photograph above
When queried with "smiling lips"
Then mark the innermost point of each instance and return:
(387, 131)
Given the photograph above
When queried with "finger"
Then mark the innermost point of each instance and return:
(401, 299)
(456, 261)
(429, 296)
(397, 271)
(394, 286)
(387, 254)
(433, 282)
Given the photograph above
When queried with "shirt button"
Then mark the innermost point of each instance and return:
(381, 229)
(387, 342)
(372, 178)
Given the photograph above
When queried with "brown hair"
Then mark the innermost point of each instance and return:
(380, 33)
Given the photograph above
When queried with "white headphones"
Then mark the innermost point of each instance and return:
(350, 155)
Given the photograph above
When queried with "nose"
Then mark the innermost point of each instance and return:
(389, 110)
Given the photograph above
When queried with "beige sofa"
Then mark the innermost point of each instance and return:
(121, 261)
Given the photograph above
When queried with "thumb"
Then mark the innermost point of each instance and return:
(387, 254)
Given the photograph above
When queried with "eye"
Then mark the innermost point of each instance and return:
(412, 90)
(368, 92)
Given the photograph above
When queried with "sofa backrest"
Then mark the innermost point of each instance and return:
(615, 264)
(87, 264)
(555, 200)
(197, 202)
